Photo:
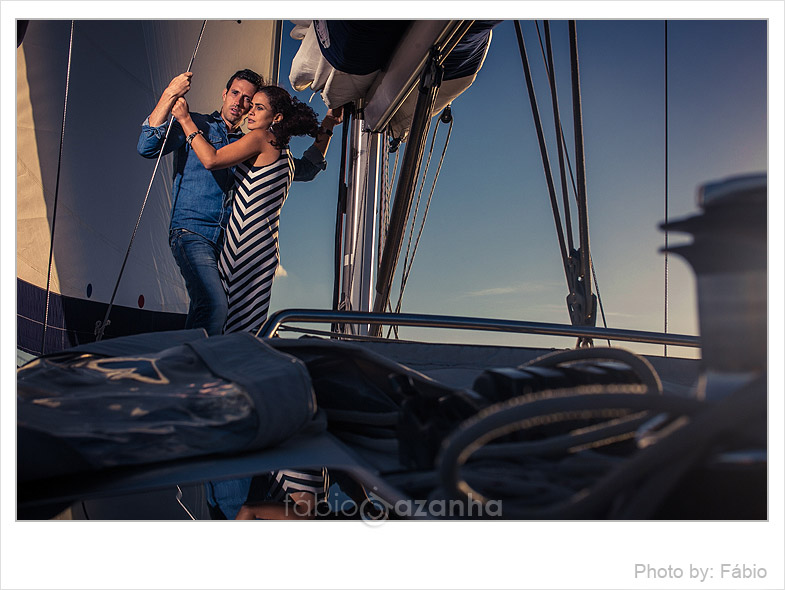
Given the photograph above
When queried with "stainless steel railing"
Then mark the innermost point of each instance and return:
(277, 319)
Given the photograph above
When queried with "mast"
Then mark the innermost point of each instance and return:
(430, 80)
(410, 168)
(275, 57)
(418, 58)
(358, 265)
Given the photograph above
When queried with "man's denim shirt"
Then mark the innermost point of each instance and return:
(201, 198)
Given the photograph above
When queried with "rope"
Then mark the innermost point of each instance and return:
(641, 481)
(590, 436)
(57, 190)
(100, 327)
(642, 368)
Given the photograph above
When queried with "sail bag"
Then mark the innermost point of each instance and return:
(157, 397)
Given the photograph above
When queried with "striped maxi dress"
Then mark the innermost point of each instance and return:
(249, 257)
(247, 265)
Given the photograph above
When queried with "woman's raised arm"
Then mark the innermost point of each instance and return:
(248, 146)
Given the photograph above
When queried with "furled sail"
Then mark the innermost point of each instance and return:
(347, 60)
(118, 70)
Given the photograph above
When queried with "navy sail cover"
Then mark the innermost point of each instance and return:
(361, 47)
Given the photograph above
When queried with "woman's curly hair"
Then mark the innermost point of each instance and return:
(298, 117)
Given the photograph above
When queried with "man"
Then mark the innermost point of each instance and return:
(201, 198)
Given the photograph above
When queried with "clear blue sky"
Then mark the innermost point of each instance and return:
(489, 247)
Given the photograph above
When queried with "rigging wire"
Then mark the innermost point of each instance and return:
(580, 169)
(57, 190)
(543, 148)
(599, 297)
(665, 329)
(381, 214)
(579, 280)
(408, 263)
(179, 498)
(389, 180)
(100, 326)
(549, 72)
(384, 217)
(561, 144)
(340, 213)
(384, 203)
(430, 80)
(591, 258)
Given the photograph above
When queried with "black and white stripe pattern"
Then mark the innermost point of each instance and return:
(249, 257)
(286, 482)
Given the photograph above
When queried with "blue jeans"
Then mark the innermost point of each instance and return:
(228, 495)
(197, 258)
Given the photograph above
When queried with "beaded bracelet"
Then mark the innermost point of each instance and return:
(190, 138)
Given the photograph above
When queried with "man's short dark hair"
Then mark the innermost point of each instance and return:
(248, 76)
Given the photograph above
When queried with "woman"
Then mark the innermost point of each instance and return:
(263, 172)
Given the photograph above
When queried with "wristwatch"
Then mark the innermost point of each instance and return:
(323, 131)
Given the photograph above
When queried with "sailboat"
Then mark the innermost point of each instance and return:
(72, 244)
(444, 402)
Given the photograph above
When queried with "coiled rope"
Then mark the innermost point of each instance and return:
(590, 484)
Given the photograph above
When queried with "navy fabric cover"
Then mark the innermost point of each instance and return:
(466, 58)
(83, 410)
(359, 47)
